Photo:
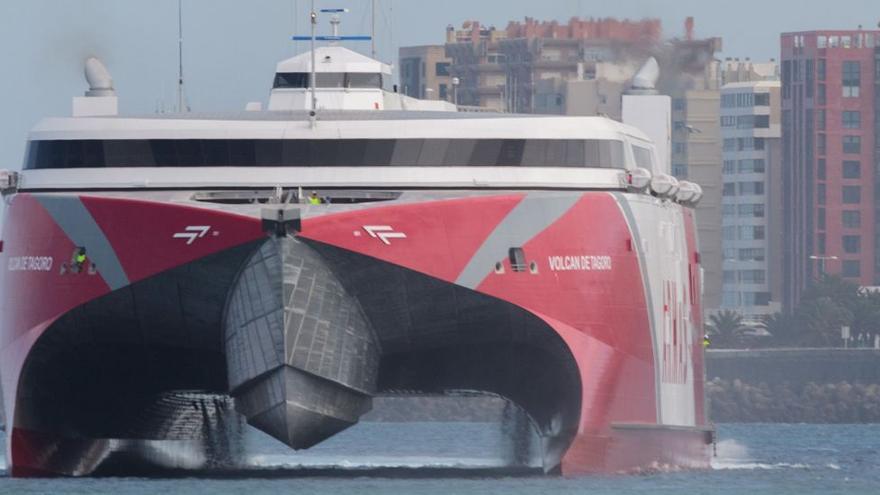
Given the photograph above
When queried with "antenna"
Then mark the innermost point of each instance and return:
(373, 29)
(181, 94)
(333, 38)
(312, 82)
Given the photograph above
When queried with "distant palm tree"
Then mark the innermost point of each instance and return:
(726, 328)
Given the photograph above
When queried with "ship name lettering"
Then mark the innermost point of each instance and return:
(30, 263)
(584, 263)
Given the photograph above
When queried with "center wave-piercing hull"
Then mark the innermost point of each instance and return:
(580, 307)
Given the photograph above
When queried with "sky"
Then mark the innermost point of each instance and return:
(232, 46)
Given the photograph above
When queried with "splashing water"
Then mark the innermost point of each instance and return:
(734, 455)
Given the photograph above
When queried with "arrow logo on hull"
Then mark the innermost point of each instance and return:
(384, 233)
(192, 233)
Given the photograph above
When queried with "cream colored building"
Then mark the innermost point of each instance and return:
(424, 73)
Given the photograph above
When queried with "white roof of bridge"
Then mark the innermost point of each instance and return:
(334, 59)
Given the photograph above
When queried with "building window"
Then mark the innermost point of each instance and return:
(748, 144)
(755, 166)
(762, 99)
(852, 269)
(821, 144)
(751, 210)
(444, 92)
(729, 189)
(442, 68)
(755, 188)
(730, 144)
(820, 169)
(820, 218)
(679, 104)
(852, 170)
(809, 72)
(820, 69)
(851, 78)
(729, 277)
(852, 120)
(726, 121)
(729, 167)
(852, 244)
(729, 233)
(751, 254)
(852, 144)
(751, 232)
(820, 96)
(762, 122)
(820, 194)
(680, 170)
(786, 79)
(752, 276)
(852, 195)
(728, 211)
(851, 219)
(820, 243)
(820, 120)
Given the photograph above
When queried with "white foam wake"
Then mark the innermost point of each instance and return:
(733, 455)
(371, 462)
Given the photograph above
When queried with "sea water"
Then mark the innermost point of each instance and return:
(751, 459)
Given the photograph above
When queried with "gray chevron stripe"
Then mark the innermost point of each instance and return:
(530, 217)
(78, 224)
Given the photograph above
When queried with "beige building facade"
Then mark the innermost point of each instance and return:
(424, 73)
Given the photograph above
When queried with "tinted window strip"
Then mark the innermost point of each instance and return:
(324, 153)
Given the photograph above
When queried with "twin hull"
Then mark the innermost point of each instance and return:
(582, 308)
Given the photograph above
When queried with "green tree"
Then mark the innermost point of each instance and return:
(822, 319)
(726, 328)
(783, 329)
(866, 316)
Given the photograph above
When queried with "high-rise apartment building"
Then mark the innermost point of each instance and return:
(696, 156)
(829, 109)
(751, 204)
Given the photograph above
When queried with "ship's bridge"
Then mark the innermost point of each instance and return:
(344, 80)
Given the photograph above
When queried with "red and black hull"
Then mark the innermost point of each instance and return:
(541, 298)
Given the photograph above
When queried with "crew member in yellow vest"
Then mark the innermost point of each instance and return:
(79, 259)
(314, 199)
(706, 341)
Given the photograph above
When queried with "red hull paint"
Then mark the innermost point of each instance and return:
(602, 315)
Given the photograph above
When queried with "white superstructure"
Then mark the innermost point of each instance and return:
(344, 79)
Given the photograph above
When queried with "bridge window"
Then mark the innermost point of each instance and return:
(300, 80)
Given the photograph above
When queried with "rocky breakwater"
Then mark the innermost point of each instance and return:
(794, 385)
(734, 401)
